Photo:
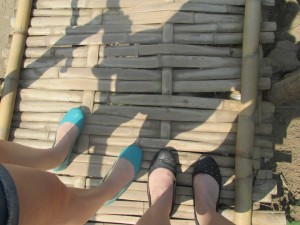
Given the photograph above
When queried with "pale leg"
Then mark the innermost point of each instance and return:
(161, 190)
(43, 199)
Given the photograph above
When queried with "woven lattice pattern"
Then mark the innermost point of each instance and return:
(153, 73)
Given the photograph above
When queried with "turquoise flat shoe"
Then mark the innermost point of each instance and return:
(75, 116)
(134, 155)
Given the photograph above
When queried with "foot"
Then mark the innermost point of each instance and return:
(206, 191)
(65, 136)
(122, 173)
(161, 188)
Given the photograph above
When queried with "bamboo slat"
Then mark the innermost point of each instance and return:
(61, 12)
(152, 7)
(219, 38)
(109, 74)
(265, 128)
(54, 62)
(89, 4)
(38, 106)
(46, 95)
(168, 101)
(184, 7)
(134, 50)
(62, 21)
(227, 2)
(93, 39)
(136, 74)
(73, 52)
(170, 17)
(216, 85)
(215, 73)
(142, 38)
(136, 86)
(93, 85)
(32, 120)
(33, 131)
(220, 28)
(172, 114)
(130, 3)
(178, 28)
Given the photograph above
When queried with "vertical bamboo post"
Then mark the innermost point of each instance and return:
(13, 67)
(245, 136)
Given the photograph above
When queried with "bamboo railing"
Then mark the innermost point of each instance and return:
(13, 68)
(246, 123)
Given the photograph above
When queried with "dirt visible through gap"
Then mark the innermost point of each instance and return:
(6, 12)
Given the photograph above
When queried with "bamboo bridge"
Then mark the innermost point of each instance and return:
(183, 73)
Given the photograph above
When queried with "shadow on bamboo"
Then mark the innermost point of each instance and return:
(139, 104)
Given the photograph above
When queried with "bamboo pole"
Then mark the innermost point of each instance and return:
(245, 138)
(151, 28)
(13, 67)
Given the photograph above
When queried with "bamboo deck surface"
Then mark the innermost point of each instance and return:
(156, 74)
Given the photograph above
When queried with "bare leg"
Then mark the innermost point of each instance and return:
(206, 197)
(161, 191)
(43, 199)
(42, 159)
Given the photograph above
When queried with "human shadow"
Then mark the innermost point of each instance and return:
(126, 97)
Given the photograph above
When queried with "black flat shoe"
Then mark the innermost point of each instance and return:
(164, 159)
(207, 165)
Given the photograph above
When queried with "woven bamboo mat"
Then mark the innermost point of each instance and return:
(153, 73)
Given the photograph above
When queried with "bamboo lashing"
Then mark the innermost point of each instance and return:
(245, 138)
(13, 67)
